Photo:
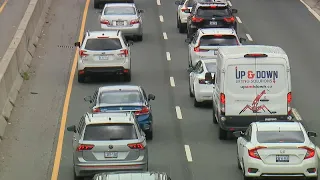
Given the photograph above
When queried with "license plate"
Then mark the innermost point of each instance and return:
(120, 23)
(104, 57)
(111, 154)
(213, 23)
(282, 158)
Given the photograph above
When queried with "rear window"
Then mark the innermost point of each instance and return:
(214, 40)
(211, 67)
(120, 97)
(119, 11)
(103, 44)
(106, 132)
(216, 12)
(280, 137)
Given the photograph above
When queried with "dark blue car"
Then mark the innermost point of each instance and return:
(125, 98)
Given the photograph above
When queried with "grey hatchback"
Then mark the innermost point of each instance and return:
(107, 142)
(132, 176)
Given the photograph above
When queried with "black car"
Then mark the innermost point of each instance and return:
(210, 15)
(132, 176)
(100, 3)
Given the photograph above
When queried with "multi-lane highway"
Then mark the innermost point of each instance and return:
(185, 143)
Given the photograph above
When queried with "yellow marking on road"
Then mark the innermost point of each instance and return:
(3, 5)
(57, 159)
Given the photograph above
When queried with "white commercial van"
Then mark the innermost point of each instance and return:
(252, 83)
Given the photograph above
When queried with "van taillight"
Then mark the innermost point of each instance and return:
(83, 53)
(222, 103)
(289, 100)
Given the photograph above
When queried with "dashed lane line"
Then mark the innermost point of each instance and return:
(165, 35)
(178, 112)
(161, 18)
(188, 153)
(311, 10)
(296, 114)
(168, 56)
(229, 3)
(238, 19)
(172, 82)
(249, 37)
(158, 2)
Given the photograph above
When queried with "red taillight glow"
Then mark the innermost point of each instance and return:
(217, 35)
(103, 37)
(135, 21)
(106, 22)
(96, 110)
(124, 52)
(213, 7)
(222, 98)
(83, 53)
(310, 152)
(84, 147)
(255, 55)
(229, 20)
(254, 152)
(197, 49)
(184, 9)
(144, 110)
(196, 19)
(136, 146)
(289, 97)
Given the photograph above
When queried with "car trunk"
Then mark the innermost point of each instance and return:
(120, 21)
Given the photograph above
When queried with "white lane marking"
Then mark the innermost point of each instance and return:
(178, 111)
(168, 56)
(318, 151)
(158, 2)
(161, 18)
(165, 35)
(188, 153)
(249, 37)
(172, 82)
(311, 10)
(229, 3)
(296, 114)
(238, 19)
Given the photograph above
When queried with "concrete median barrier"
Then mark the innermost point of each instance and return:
(17, 58)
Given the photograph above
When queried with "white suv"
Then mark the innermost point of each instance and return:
(104, 52)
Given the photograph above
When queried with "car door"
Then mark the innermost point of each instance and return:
(193, 73)
(243, 142)
(77, 135)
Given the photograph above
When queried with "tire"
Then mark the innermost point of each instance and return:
(312, 178)
(182, 28)
(239, 165)
(81, 78)
(96, 4)
(140, 37)
(127, 77)
(223, 134)
(214, 119)
(149, 135)
(190, 92)
(178, 22)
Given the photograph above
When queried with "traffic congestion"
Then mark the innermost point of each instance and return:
(246, 88)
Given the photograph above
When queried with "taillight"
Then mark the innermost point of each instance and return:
(83, 53)
(124, 52)
(222, 103)
(310, 152)
(197, 49)
(184, 9)
(289, 100)
(103, 21)
(135, 21)
(136, 146)
(254, 152)
(213, 7)
(84, 147)
(222, 98)
(144, 110)
(196, 19)
(96, 110)
(229, 20)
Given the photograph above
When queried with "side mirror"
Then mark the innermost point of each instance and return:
(187, 11)
(72, 128)
(234, 11)
(130, 43)
(208, 77)
(188, 40)
(190, 69)
(312, 134)
(77, 44)
(178, 3)
(88, 99)
(238, 133)
(242, 40)
(140, 11)
(151, 97)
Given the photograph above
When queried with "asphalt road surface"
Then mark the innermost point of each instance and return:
(185, 143)
(11, 13)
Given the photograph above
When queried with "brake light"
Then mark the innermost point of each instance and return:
(136, 146)
(310, 152)
(213, 7)
(196, 19)
(85, 147)
(184, 9)
(144, 110)
(106, 22)
(103, 37)
(197, 49)
(217, 35)
(222, 98)
(135, 21)
(255, 55)
(229, 20)
(83, 53)
(124, 52)
(254, 152)
(96, 110)
(289, 97)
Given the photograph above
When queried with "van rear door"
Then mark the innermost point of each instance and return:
(272, 82)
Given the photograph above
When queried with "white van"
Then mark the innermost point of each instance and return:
(252, 83)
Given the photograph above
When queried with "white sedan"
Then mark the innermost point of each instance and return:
(277, 149)
(201, 81)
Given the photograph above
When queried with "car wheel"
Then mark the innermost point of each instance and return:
(127, 77)
(312, 178)
(140, 37)
(214, 119)
(239, 165)
(190, 92)
(182, 27)
(178, 22)
(222, 134)
(149, 135)
(81, 78)
(96, 4)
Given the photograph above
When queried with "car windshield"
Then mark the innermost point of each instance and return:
(120, 97)
(211, 67)
(216, 12)
(105, 132)
(103, 44)
(280, 137)
(119, 11)
(215, 40)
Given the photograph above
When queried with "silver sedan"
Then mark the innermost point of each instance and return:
(124, 17)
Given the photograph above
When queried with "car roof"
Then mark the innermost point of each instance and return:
(135, 175)
(118, 87)
(224, 31)
(96, 34)
(278, 126)
(119, 4)
(109, 117)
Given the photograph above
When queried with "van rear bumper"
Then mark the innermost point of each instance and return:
(241, 123)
